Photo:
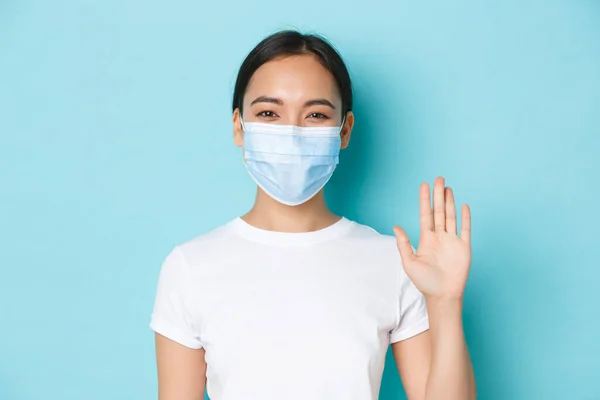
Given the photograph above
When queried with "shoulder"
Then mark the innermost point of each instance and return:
(213, 243)
(370, 237)
(381, 248)
(374, 238)
(215, 235)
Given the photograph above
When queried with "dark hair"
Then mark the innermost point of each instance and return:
(289, 43)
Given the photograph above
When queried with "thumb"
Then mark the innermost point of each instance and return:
(403, 242)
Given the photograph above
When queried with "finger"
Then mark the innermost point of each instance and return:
(450, 211)
(465, 231)
(403, 243)
(425, 205)
(439, 209)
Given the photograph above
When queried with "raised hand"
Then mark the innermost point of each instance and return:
(440, 267)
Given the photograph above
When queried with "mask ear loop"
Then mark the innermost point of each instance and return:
(242, 123)
(342, 125)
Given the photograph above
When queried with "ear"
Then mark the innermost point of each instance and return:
(238, 132)
(347, 129)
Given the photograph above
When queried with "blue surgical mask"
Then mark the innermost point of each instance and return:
(291, 163)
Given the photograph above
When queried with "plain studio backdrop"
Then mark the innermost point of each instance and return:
(116, 144)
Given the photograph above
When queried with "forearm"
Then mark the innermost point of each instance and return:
(451, 373)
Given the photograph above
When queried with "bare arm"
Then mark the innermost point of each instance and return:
(413, 359)
(451, 373)
(436, 364)
(181, 370)
(439, 269)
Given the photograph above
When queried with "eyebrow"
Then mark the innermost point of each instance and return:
(321, 102)
(273, 100)
(266, 99)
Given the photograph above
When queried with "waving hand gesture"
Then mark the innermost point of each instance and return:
(440, 267)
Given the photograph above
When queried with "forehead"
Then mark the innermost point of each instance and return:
(293, 78)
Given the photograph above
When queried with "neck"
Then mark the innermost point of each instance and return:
(271, 215)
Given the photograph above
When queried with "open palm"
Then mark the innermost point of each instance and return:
(440, 267)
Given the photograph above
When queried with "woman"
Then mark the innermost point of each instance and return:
(291, 301)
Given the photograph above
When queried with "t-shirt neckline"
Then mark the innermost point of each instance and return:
(277, 238)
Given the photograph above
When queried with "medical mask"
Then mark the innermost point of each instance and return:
(291, 163)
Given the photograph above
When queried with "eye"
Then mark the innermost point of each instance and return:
(317, 115)
(266, 114)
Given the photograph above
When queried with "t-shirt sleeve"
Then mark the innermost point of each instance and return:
(412, 315)
(171, 315)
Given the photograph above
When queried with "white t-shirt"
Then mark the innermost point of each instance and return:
(289, 315)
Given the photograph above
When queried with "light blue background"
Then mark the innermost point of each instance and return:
(116, 145)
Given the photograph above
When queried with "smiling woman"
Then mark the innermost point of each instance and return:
(300, 82)
(287, 44)
(291, 301)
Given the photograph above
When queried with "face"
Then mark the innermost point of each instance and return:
(295, 90)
